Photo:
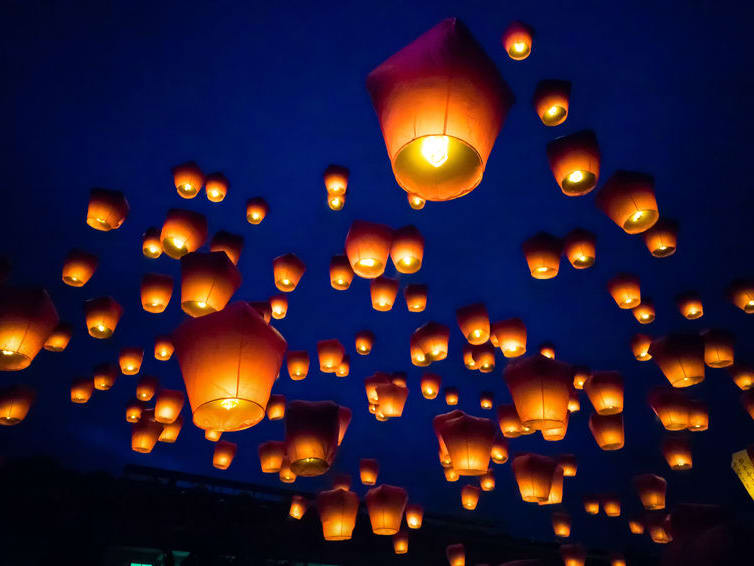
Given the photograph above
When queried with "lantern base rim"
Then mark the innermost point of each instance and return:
(213, 415)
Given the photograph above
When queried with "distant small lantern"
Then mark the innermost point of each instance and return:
(575, 162)
(573, 554)
(400, 542)
(487, 481)
(698, 416)
(718, 348)
(467, 440)
(81, 390)
(561, 524)
(574, 404)
(625, 290)
(456, 554)
(569, 464)
(671, 407)
(102, 316)
(133, 411)
(611, 505)
(741, 294)
(208, 282)
(510, 336)
(605, 391)
(146, 387)
(163, 348)
(551, 99)
(168, 405)
(540, 388)
(677, 452)
(256, 210)
(151, 246)
(364, 342)
(368, 471)
(451, 396)
(509, 421)
(580, 248)
(224, 453)
(407, 249)
(431, 339)
(415, 201)
(271, 456)
(640, 344)
(107, 210)
(474, 323)
(104, 376)
(636, 527)
(534, 474)
(336, 179)
(59, 338)
(517, 40)
(27, 318)
(188, 179)
(336, 202)
(450, 474)
(286, 474)
(299, 505)
(276, 407)
(608, 431)
(213, 435)
(344, 367)
(383, 291)
(681, 358)
(651, 490)
(690, 305)
(15, 402)
(297, 362)
(156, 291)
(330, 354)
(661, 239)
(287, 270)
(742, 375)
(617, 560)
(542, 252)
(144, 435)
(628, 199)
(391, 399)
(468, 357)
(416, 297)
(659, 529)
(130, 360)
(216, 185)
(183, 232)
(486, 400)
(78, 267)
(591, 504)
(231, 244)
(279, 306)
(337, 512)
(341, 274)
(430, 385)
(644, 313)
(367, 247)
(171, 431)
(469, 497)
(414, 515)
(312, 435)
(386, 505)
(547, 349)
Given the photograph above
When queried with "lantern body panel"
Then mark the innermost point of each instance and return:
(469, 497)
(287, 270)
(330, 354)
(27, 318)
(78, 268)
(662, 238)
(183, 232)
(718, 348)
(299, 505)
(625, 290)
(337, 512)
(208, 281)
(386, 505)
(467, 440)
(163, 348)
(168, 405)
(156, 291)
(107, 210)
(171, 431)
(144, 435)
(230, 244)
(534, 475)
(640, 344)
(628, 199)
(605, 391)
(575, 162)
(540, 389)
(391, 399)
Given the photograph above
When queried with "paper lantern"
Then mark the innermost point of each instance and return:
(336, 179)
(651, 490)
(151, 246)
(171, 431)
(617, 560)
(450, 474)
(509, 421)
(561, 524)
(341, 273)
(256, 210)
(337, 512)
(574, 405)
(285, 474)
(677, 452)
(580, 248)
(644, 312)
(188, 179)
(279, 306)
(386, 505)
(468, 357)
(487, 481)
(168, 405)
(216, 185)
(59, 338)
(330, 354)
(368, 471)
(431, 339)
(441, 103)
(605, 391)
(547, 349)
(456, 554)
(469, 497)
(718, 348)
(591, 504)
(287, 271)
(556, 488)
(690, 305)
(364, 342)
(486, 400)
(747, 400)
(383, 291)
(312, 435)
(681, 358)
(391, 399)
(81, 390)
(263, 309)
(430, 385)
(743, 375)
(659, 529)
(636, 527)
(107, 210)
(214, 436)
(15, 402)
(607, 431)
(231, 244)
(510, 336)
(474, 323)
(298, 364)
(625, 290)
(208, 281)
(572, 554)
(556, 433)
(542, 252)
(540, 389)
(611, 505)
(400, 542)
(163, 348)
(299, 505)
(156, 291)
(575, 162)
(569, 464)
(183, 232)
(414, 515)
(517, 40)
(451, 396)
(499, 451)
(661, 239)
(104, 376)
(534, 475)
(416, 297)
(483, 357)
(144, 435)
(271, 455)
(698, 416)
(223, 455)
(628, 199)
(415, 201)
(367, 248)
(407, 249)
(640, 344)
(229, 360)
(551, 98)
(27, 318)
(741, 294)
(130, 360)
(78, 267)
(467, 440)
(146, 387)
(336, 202)
(276, 407)
(671, 407)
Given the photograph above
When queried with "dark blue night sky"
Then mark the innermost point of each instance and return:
(270, 94)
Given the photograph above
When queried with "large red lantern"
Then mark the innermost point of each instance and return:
(27, 318)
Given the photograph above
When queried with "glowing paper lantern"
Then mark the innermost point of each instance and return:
(168, 405)
(337, 512)
(59, 338)
(279, 306)
(151, 246)
(414, 515)
(661, 239)
(15, 402)
(644, 312)
(499, 451)
(469, 497)
(743, 375)
(451, 396)
(386, 505)
(27, 318)
(144, 435)
(574, 405)
(551, 98)
(104, 376)
(607, 431)
(572, 554)
(146, 387)
(486, 400)
(580, 248)
(659, 529)
(107, 210)
(299, 505)
(474, 323)
(651, 490)
(671, 407)
(561, 524)
(188, 179)
(628, 199)
(407, 249)
(456, 554)
(415, 201)
(102, 316)
(636, 527)
(718, 348)
(78, 267)
(483, 357)
(223, 455)
(341, 274)
(591, 504)
(517, 40)
(681, 358)
(171, 431)
(547, 349)
(229, 360)
(534, 475)
(285, 474)
(208, 281)
(216, 185)
(510, 336)
(364, 342)
(509, 421)
(467, 440)
(431, 340)
(416, 297)
(450, 474)
(312, 435)
(575, 162)
(271, 456)
(569, 464)
(690, 305)
(487, 481)
(183, 232)
(542, 252)
(605, 391)
(156, 291)
(298, 364)
(231, 244)
(383, 291)
(741, 294)
(611, 505)
(81, 390)
(430, 385)
(367, 248)
(640, 345)
(336, 179)
(625, 290)
(287, 271)
(163, 348)
(677, 452)
(617, 560)
(540, 390)
(441, 103)
(276, 407)
(556, 433)
(330, 354)
(369, 469)
(213, 435)
(391, 398)
(130, 360)
(256, 210)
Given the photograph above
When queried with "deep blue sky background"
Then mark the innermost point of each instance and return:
(270, 94)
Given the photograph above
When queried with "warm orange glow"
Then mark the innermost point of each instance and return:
(617, 560)
(216, 185)
(575, 162)
(430, 385)
(312, 436)
(659, 530)
(104, 376)
(690, 305)
(486, 400)
(391, 398)
(364, 342)
(78, 267)
(297, 362)
(223, 455)
(534, 475)
(58, 339)
(661, 239)
(188, 179)
(337, 512)
(569, 464)
(451, 396)
(386, 505)
(107, 210)
(414, 516)
(368, 471)
(102, 316)
(415, 201)
(330, 354)
(741, 294)
(651, 490)
(431, 340)
(286, 474)
(636, 527)
(698, 416)
(591, 504)
(644, 312)
(625, 290)
(183, 232)
(156, 291)
(561, 524)
(580, 248)
(367, 248)
(171, 431)
(640, 344)
(487, 481)
(341, 274)
(336, 179)
(163, 348)
(456, 555)
(276, 407)
(230, 244)
(540, 390)
(611, 505)
(542, 252)
(299, 505)
(517, 41)
(450, 474)
(407, 249)
(608, 431)
(146, 388)
(168, 405)
(271, 456)
(15, 402)
(628, 199)
(416, 297)
(483, 357)
(144, 435)
(718, 348)
(551, 98)
(474, 323)
(574, 404)
(467, 440)
(671, 407)
(81, 390)
(130, 360)
(573, 554)
(287, 270)
(256, 210)
(605, 391)
(677, 452)
(383, 291)
(469, 497)
(400, 542)
(742, 375)
(547, 349)
(151, 246)
(680, 357)
(213, 435)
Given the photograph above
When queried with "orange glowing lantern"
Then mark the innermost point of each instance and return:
(146, 388)
(271, 456)
(591, 504)
(451, 396)
(337, 512)
(547, 349)
(15, 402)
(456, 554)
(640, 344)
(416, 297)
(561, 524)
(681, 358)
(644, 313)
(342, 481)
(231, 244)
(677, 452)
(474, 323)
(287, 270)
(367, 247)
(659, 528)
(608, 431)
(285, 474)
(569, 464)
(386, 505)
(661, 239)
(617, 560)
(517, 40)
(183, 232)
(542, 252)
(223, 455)
(636, 527)
(431, 340)
(130, 360)
(213, 435)
(216, 185)
(400, 542)
(188, 179)
(625, 290)
(741, 294)
(718, 348)
(208, 281)
(27, 318)
(407, 249)
(364, 342)
(469, 497)
(312, 433)
(575, 162)
(341, 274)
(467, 440)
(671, 407)
(171, 431)
(276, 407)
(168, 405)
(78, 267)
(133, 411)
(344, 367)
(59, 338)
(279, 306)
(509, 421)
(383, 291)
(368, 471)
(256, 210)
(487, 481)
(151, 246)
(297, 362)
(698, 416)
(81, 390)
(156, 291)
(510, 336)
(551, 98)
(574, 405)
(651, 490)
(144, 435)
(414, 515)
(450, 474)
(690, 305)
(107, 210)
(534, 476)
(330, 354)
(580, 248)
(299, 505)
(573, 554)
(104, 376)
(743, 375)
(611, 505)
(468, 357)
(430, 385)
(540, 390)
(415, 201)
(483, 357)
(628, 199)
(486, 400)
(605, 391)
(391, 398)
(336, 179)
(102, 316)
(229, 360)
(499, 451)
(163, 348)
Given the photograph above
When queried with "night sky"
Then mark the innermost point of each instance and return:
(270, 95)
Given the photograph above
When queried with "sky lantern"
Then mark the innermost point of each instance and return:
(415, 201)
(231, 244)
(102, 316)
(671, 407)
(742, 375)
(229, 360)
(337, 512)
(677, 452)
(341, 273)
(617, 559)
(450, 474)
(151, 246)
(718, 348)
(344, 367)
(297, 362)
(451, 396)
(510, 336)
(367, 248)
(569, 463)
(640, 344)
(540, 389)
(130, 360)
(364, 342)
(170, 432)
(484, 357)
(680, 357)
(467, 440)
(144, 435)
(279, 306)
(287, 270)
(644, 312)
(661, 239)
(741, 294)
(276, 407)
(223, 455)
(312, 433)
(386, 505)
(628, 199)
(27, 318)
(298, 508)
(469, 497)
(555, 496)
(78, 267)
(263, 309)
(414, 515)
(15, 402)
(400, 542)
(690, 305)
(163, 348)
(575, 162)
(407, 249)
(432, 340)
(573, 554)
(474, 323)
(383, 291)
(183, 232)
(456, 554)
(441, 102)
(369, 469)
(517, 39)
(208, 281)
(698, 416)
(213, 435)
(286, 474)
(551, 99)
(625, 290)
(81, 390)
(574, 404)
(468, 357)
(105, 375)
(330, 354)
(561, 524)
(271, 455)
(391, 398)
(146, 387)
(156, 291)
(542, 252)
(216, 185)
(168, 405)
(486, 400)
(188, 179)
(658, 527)
(591, 504)
(59, 338)
(487, 481)
(509, 421)
(107, 210)
(607, 431)
(430, 385)
(747, 400)
(133, 411)
(534, 475)
(336, 184)
(580, 247)
(651, 490)
(256, 210)
(416, 297)
(611, 505)
(605, 391)
(636, 527)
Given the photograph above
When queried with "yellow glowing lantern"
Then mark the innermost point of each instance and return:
(386, 505)
(611, 505)
(690, 305)
(645, 311)
(231, 244)
(509, 421)
(78, 267)
(151, 246)
(680, 357)
(605, 391)
(297, 362)
(102, 316)
(591, 504)
(534, 475)
(416, 297)
(456, 554)
(718, 348)
(542, 252)
(27, 318)
(146, 388)
(608, 431)
(617, 560)
(474, 323)
(450, 474)
(299, 505)
(188, 179)
(156, 291)
(287, 270)
(483, 357)
(168, 405)
(415, 201)
(81, 390)
(383, 291)
(469, 497)
(341, 274)
(367, 248)
(414, 515)
(256, 210)
(364, 342)
(286, 474)
(499, 451)
(741, 294)
(574, 404)
(59, 338)
(580, 248)
(468, 357)
(671, 407)
(430, 385)
(15, 402)
(344, 367)
(569, 464)
(451, 396)
(661, 239)
(130, 360)
(677, 452)
(368, 471)
(640, 344)
(213, 435)
(575, 162)
(486, 400)
(330, 354)
(107, 210)
(467, 440)
(276, 407)
(271, 456)
(651, 490)
(625, 290)
(431, 340)
(636, 527)
(573, 554)
(183, 232)
(216, 185)
(171, 431)
(223, 455)
(561, 524)
(407, 249)
(279, 306)
(487, 481)
(133, 411)
(163, 348)
(391, 399)
(551, 98)
(517, 41)
(105, 375)
(628, 199)
(337, 512)
(336, 179)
